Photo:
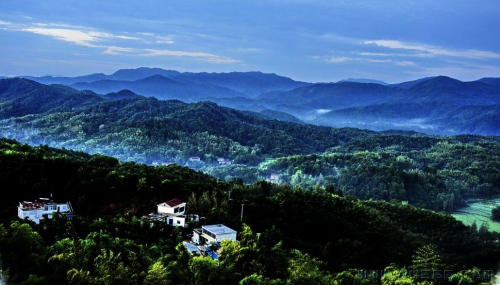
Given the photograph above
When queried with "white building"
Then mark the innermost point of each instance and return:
(213, 234)
(35, 211)
(174, 212)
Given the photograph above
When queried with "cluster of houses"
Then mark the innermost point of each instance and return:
(172, 212)
(194, 159)
(222, 160)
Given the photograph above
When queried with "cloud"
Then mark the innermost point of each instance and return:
(164, 40)
(200, 55)
(339, 59)
(118, 50)
(405, 63)
(89, 37)
(73, 36)
(76, 36)
(424, 50)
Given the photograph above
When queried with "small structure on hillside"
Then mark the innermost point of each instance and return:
(222, 160)
(213, 234)
(36, 210)
(274, 178)
(174, 213)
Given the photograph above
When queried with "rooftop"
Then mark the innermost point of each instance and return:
(218, 229)
(30, 205)
(174, 202)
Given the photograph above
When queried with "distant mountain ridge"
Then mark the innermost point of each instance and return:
(249, 84)
(430, 105)
(363, 80)
(127, 125)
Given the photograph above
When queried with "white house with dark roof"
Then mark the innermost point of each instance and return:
(36, 210)
(213, 234)
(174, 206)
(174, 212)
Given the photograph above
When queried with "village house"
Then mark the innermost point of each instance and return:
(174, 213)
(36, 210)
(274, 178)
(213, 234)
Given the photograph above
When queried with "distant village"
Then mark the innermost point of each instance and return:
(195, 162)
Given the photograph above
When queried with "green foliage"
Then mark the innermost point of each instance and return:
(290, 236)
(495, 213)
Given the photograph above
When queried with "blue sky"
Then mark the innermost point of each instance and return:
(314, 41)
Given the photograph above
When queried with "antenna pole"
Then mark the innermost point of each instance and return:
(242, 211)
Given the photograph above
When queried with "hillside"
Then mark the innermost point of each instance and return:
(147, 129)
(430, 105)
(282, 233)
(19, 97)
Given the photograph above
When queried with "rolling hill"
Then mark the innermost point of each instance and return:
(434, 105)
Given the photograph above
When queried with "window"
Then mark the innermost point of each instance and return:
(178, 222)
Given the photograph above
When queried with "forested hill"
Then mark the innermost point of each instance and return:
(435, 105)
(289, 236)
(147, 129)
(438, 173)
(19, 97)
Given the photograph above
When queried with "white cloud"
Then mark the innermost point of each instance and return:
(201, 55)
(164, 40)
(433, 51)
(338, 59)
(118, 50)
(76, 36)
(405, 63)
(73, 36)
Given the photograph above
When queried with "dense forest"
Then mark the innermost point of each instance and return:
(434, 172)
(287, 235)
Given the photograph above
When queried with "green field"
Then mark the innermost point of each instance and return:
(480, 211)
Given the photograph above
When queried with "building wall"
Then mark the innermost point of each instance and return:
(165, 210)
(171, 210)
(231, 236)
(176, 221)
(37, 214)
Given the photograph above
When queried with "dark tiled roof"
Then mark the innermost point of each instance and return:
(174, 202)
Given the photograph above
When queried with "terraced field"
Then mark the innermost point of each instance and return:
(480, 211)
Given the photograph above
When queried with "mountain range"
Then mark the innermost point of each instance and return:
(433, 105)
(143, 129)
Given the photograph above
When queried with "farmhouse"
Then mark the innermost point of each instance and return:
(213, 234)
(36, 210)
(174, 213)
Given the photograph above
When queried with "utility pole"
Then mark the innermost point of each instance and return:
(242, 211)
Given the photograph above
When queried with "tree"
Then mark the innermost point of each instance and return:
(394, 276)
(427, 259)
(157, 275)
(495, 213)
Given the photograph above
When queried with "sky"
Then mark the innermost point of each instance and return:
(313, 41)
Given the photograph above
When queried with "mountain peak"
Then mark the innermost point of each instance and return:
(363, 80)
